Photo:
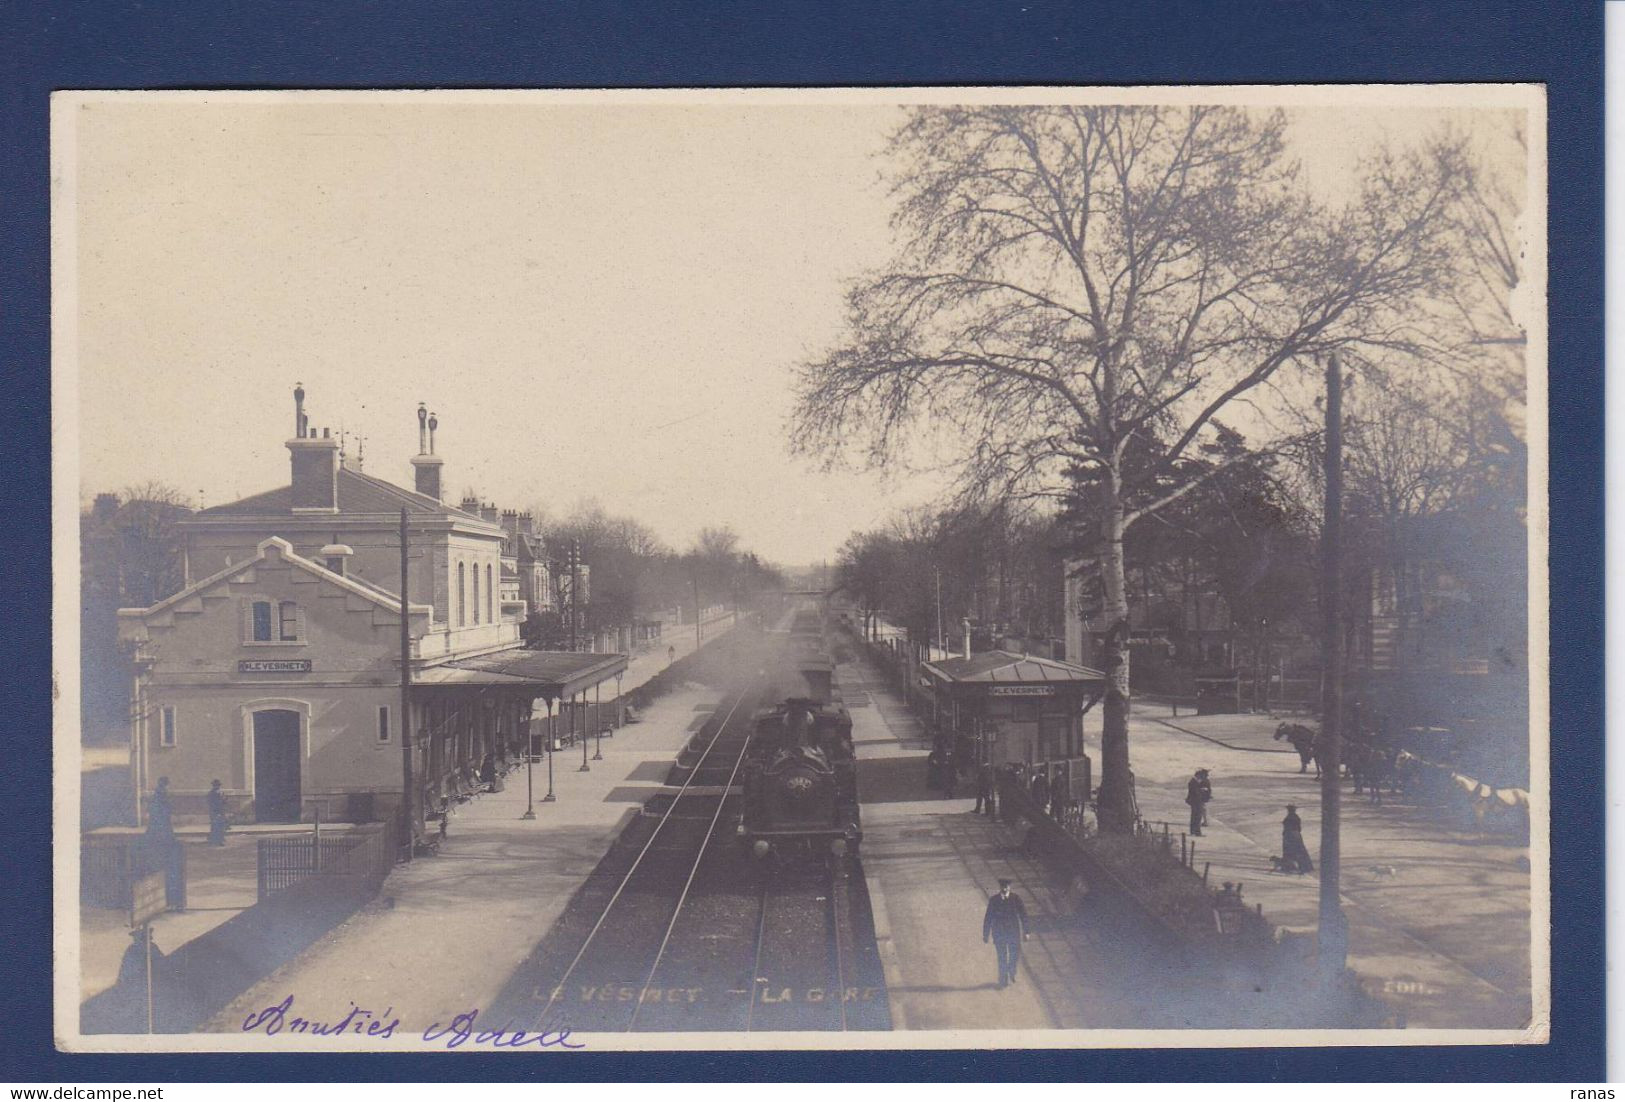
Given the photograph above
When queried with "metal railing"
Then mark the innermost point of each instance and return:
(356, 860)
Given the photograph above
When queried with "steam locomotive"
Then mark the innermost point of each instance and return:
(800, 782)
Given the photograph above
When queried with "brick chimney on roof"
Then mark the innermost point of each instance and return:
(315, 463)
(490, 514)
(425, 464)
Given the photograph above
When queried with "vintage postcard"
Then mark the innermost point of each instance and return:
(545, 571)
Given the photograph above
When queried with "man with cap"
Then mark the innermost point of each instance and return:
(1198, 791)
(1006, 923)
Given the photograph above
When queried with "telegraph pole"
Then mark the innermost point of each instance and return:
(575, 581)
(1333, 939)
(942, 642)
(408, 800)
(699, 634)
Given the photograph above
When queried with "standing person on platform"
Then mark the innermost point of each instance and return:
(1198, 791)
(984, 789)
(217, 815)
(1006, 923)
(950, 774)
(163, 848)
(161, 815)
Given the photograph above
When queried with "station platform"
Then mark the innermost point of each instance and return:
(468, 917)
(931, 863)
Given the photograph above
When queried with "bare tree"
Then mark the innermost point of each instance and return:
(1072, 279)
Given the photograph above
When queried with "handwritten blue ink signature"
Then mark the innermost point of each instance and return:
(362, 1022)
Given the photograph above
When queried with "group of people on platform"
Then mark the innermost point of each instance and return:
(946, 770)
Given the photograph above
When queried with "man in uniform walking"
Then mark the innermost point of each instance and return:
(1006, 923)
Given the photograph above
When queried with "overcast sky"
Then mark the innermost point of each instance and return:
(599, 301)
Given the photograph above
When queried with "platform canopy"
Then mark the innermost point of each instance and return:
(1004, 667)
(552, 674)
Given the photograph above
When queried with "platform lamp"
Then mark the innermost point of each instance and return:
(530, 784)
(598, 721)
(549, 798)
(581, 707)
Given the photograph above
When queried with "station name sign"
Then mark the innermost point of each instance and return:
(1022, 690)
(273, 665)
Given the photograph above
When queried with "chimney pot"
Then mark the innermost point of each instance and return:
(336, 557)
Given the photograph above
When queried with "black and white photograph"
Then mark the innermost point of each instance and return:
(906, 568)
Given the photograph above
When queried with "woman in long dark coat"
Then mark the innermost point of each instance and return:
(1294, 854)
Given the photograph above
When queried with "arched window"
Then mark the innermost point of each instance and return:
(476, 593)
(462, 595)
(490, 596)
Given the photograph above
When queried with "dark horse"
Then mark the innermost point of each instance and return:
(1303, 740)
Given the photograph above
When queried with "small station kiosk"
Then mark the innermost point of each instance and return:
(1013, 708)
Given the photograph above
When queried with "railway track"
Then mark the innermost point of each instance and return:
(795, 985)
(679, 928)
(614, 978)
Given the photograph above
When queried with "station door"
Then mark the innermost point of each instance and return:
(276, 766)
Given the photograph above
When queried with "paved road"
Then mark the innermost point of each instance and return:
(1439, 917)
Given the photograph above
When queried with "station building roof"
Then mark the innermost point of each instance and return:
(357, 493)
(1004, 667)
(548, 673)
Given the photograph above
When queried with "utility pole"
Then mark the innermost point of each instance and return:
(408, 794)
(942, 642)
(574, 555)
(699, 634)
(1333, 939)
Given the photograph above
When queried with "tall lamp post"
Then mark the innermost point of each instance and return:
(580, 706)
(530, 783)
(598, 721)
(549, 798)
